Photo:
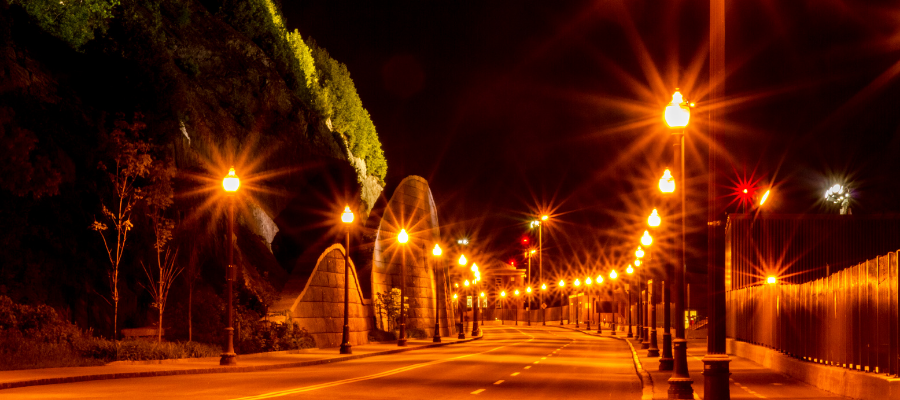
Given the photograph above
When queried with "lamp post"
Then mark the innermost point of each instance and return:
(653, 221)
(347, 219)
(476, 302)
(231, 183)
(677, 115)
(642, 337)
(630, 271)
(528, 310)
(599, 317)
(480, 302)
(613, 276)
(436, 252)
(587, 321)
(666, 362)
(540, 226)
(562, 299)
(516, 306)
(402, 237)
(543, 289)
(462, 327)
(502, 304)
(577, 310)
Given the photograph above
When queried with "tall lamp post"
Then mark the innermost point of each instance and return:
(562, 300)
(577, 309)
(677, 116)
(599, 317)
(516, 306)
(540, 226)
(402, 237)
(436, 252)
(630, 271)
(653, 350)
(646, 241)
(613, 276)
(462, 332)
(503, 306)
(528, 254)
(347, 219)
(231, 183)
(528, 310)
(587, 321)
(476, 302)
(667, 362)
(462, 328)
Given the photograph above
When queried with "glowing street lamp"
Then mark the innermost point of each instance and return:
(677, 115)
(614, 276)
(540, 226)
(347, 219)
(436, 252)
(402, 238)
(630, 271)
(653, 220)
(230, 183)
(562, 284)
(764, 198)
(639, 253)
(588, 282)
(838, 194)
(667, 182)
(771, 280)
(646, 240)
(516, 305)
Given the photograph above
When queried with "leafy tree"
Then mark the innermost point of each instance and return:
(132, 160)
(312, 92)
(348, 114)
(73, 21)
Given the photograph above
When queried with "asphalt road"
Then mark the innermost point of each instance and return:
(509, 363)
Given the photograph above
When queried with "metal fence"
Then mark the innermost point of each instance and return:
(847, 319)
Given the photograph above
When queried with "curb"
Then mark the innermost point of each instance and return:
(218, 370)
(643, 375)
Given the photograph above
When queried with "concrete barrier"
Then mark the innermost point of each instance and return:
(842, 381)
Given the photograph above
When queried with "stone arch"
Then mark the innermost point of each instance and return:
(412, 207)
(314, 299)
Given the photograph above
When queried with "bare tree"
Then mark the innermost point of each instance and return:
(161, 280)
(132, 161)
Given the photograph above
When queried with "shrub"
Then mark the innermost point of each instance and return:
(73, 21)
(262, 336)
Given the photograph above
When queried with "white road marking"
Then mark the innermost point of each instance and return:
(478, 391)
(375, 376)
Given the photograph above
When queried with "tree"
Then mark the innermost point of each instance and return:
(73, 21)
(158, 197)
(132, 160)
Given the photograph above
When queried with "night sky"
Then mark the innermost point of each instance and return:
(510, 108)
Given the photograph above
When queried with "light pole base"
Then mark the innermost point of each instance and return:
(666, 364)
(437, 333)
(228, 359)
(645, 345)
(680, 388)
(346, 348)
(401, 342)
(461, 336)
(716, 373)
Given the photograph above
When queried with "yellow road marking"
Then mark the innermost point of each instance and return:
(498, 382)
(478, 391)
(515, 373)
(528, 367)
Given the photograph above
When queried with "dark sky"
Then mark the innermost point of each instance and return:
(511, 107)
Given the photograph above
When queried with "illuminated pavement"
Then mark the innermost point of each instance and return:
(510, 362)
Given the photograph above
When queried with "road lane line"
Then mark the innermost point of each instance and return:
(478, 391)
(536, 362)
(498, 382)
(373, 376)
(543, 358)
(528, 367)
(515, 373)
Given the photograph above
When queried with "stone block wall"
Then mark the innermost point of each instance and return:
(319, 305)
(412, 207)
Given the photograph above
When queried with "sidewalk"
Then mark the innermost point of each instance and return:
(749, 380)
(209, 365)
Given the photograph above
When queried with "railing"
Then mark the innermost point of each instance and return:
(847, 319)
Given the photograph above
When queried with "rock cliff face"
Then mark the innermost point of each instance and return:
(208, 94)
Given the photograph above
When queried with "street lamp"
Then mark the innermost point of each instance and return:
(402, 238)
(230, 183)
(347, 219)
(436, 252)
(630, 271)
(677, 116)
(480, 302)
(652, 347)
(502, 304)
(516, 306)
(838, 194)
(462, 309)
(613, 275)
(540, 226)
(666, 362)
(476, 302)
(599, 317)
(771, 280)
(528, 311)
(577, 311)
(588, 282)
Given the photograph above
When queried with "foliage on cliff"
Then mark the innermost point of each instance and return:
(72, 21)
